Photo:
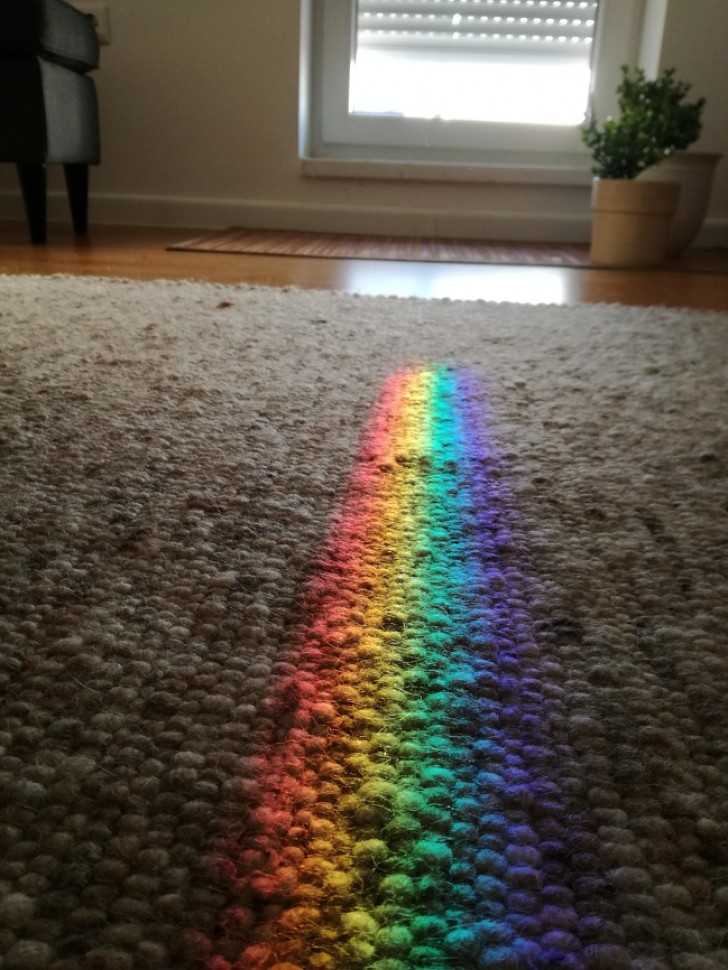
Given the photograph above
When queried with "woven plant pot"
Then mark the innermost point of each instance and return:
(631, 221)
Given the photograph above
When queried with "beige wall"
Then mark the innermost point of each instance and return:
(199, 102)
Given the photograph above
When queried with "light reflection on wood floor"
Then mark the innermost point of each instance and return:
(141, 253)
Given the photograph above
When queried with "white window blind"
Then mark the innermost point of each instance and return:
(534, 27)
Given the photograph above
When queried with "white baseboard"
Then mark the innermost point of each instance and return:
(212, 213)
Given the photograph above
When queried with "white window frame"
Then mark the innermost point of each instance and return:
(335, 142)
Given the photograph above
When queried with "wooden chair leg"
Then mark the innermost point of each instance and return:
(33, 186)
(77, 186)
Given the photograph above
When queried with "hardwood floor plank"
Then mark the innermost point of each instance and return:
(141, 253)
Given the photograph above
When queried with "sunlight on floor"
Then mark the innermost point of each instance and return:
(502, 284)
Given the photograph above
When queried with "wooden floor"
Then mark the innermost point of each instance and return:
(141, 253)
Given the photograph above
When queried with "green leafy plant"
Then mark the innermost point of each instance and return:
(654, 121)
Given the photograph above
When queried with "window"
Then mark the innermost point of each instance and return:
(482, 82)
(454, 59)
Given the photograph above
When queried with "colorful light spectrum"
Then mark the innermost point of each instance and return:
(408, 809)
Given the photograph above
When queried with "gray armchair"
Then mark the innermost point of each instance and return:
(48, 107)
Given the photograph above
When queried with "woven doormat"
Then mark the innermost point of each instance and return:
(277, 242)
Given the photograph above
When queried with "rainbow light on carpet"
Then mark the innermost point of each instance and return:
(407, 808)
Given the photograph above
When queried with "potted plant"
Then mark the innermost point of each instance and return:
(631, 217)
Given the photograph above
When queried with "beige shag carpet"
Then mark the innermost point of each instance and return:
(360, 633)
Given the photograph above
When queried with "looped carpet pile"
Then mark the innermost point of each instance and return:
(360, 633)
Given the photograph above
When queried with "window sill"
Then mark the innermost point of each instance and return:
(399, 171)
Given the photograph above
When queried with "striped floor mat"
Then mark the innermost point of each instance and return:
(273, 242)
